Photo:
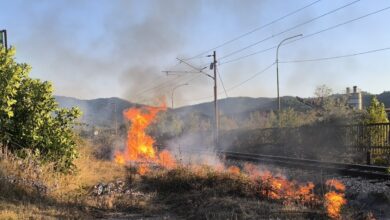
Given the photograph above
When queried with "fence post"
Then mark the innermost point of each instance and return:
(368, 159)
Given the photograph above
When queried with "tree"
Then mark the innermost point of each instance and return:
(376, 112)
(31, 118)
(322, 92)
(333, 109)
(11, 75)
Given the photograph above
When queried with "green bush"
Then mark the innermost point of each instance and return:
(30, 117)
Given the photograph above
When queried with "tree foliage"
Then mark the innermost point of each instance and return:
(30, 117)
(376, 112)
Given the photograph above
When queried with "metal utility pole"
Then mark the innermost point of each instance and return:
(277, 66)
(174, 88)
(216, 115)
(213, 66)
(3, 39)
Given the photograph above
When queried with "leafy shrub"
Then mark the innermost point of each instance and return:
(30, 117)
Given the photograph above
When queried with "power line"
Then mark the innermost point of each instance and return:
(308, 35)
(223, 85)
(251, 77)
(289, 29)
(256, 29)
(335, 57)
(172, 84)
(299, 61)
(241, 83)
(167, 82)
(143, 97)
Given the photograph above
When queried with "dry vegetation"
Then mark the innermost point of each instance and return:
(29, 190)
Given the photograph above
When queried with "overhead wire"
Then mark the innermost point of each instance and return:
(261, 27)
(303, 60)
(165, 83)
(308, 35)
(242, 82)
(223, 85)
(335, 57)
(290, 29)
(256, 29)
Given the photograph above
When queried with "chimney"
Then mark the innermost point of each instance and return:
(348, 90)
(354, 89)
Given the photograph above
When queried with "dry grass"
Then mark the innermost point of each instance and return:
(38, 210)
(184, 179)
(188, 192)
(205, 193)
(32, 190)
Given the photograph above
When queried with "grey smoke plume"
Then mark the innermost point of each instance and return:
(119, 48)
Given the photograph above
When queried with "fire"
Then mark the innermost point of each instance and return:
(140, 146)
(334, 200)
(143, 169)
(306, 193)
(166, 160)
(252, 171)
(140, 150)
(335, 184)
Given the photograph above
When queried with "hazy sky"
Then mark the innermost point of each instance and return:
(101, 48)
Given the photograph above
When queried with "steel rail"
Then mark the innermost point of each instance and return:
(367, 171)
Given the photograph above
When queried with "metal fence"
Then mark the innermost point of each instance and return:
(315, 141)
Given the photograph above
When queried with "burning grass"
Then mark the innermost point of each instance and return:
(177, 178)
(202, 192)
(146, 181)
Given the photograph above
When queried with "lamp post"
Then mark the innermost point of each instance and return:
(173, 90)
(3, 39)
(277, 65)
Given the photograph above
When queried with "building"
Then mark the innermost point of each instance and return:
(354, 98)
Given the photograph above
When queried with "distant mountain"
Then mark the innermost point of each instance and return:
(385, 98)
(241, 106)
(104, 111)
(98, 112)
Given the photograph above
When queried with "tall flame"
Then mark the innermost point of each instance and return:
(140, 146)
(334, 199)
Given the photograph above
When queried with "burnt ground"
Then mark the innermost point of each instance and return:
(363, 195)
(367, 199)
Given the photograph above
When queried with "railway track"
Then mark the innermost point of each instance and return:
(366, 171)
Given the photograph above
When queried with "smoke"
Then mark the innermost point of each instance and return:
(120, 48)
(194, 148)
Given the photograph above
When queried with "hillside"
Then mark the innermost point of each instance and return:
(98, 112)
(101, 112)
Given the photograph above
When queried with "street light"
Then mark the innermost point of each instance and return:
(3, 39)
(173, 90)
(277, 65)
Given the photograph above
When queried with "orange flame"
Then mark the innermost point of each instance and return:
(233, 170)
(139, 144)
(334, 201)
(140, 150)
(143, 169)
(335, 184)
(166, 160)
